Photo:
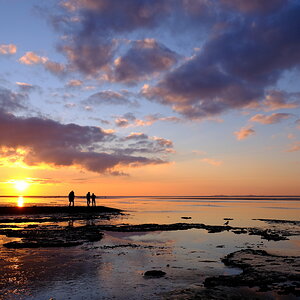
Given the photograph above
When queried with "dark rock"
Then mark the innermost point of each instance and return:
(154, 273)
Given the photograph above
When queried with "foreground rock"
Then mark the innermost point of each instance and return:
(261, 269)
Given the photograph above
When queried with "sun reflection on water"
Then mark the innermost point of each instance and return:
(20, 201)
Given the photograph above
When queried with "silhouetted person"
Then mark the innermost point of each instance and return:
(93, 199)
(88, 199)
(71, 198)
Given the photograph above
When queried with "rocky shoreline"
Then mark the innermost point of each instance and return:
(264, 276)
(260, 270)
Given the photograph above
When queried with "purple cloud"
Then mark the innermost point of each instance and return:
(235, 66)
(108, 97)
(254, 6)
(144, 59)
(59, 145)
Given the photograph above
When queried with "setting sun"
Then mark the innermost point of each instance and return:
(21, 185)
(20, 201)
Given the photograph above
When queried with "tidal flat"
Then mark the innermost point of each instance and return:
(108, 254)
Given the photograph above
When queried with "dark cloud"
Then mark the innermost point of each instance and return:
(87, 56)
(145, 58)
(254, 6)
(91, 26)
(235, 66)
(11, 101)
(56, 144)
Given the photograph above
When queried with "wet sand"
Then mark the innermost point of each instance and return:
(106, 260)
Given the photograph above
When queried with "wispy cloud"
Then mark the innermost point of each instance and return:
(294, 147)
(271, 119)
(130, 120)
(212, 161)
(108, 97)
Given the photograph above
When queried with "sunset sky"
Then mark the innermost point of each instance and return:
(149, 97)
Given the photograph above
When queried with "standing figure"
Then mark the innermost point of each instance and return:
(93, 199)
(71, 198)
(88, 199)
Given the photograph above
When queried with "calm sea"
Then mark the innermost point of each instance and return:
(170, 209)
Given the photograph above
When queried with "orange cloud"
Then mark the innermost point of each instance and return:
(212, 162)
(8, 49)
(244, 132)
(74, 82)
(163, 142)
(272, 119)
(30, 58)
(278, 100)
(294, 147)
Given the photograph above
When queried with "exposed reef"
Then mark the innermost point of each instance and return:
(52, 237)
(261, 269)
(268, 234)
(34, 236)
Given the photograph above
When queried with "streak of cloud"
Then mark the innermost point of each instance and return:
(271, 119)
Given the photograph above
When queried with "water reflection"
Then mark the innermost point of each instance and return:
(20, 201)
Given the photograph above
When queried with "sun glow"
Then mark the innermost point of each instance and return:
(20, 201)
(21, 185)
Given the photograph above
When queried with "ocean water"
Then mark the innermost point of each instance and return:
(210, 210)
(110, 269)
